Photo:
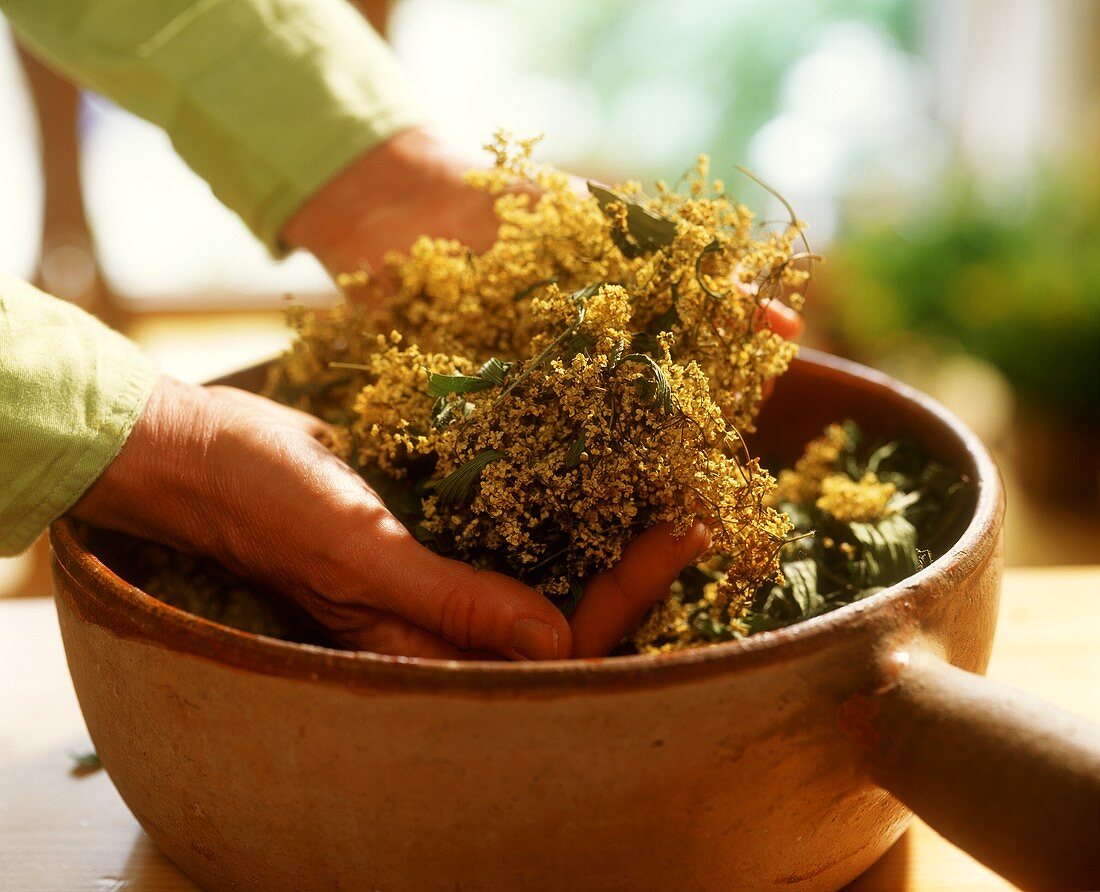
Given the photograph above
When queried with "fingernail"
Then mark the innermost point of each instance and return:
(788, 313)
(535, 640)
(703, 533)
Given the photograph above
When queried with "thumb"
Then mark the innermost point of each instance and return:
(463, 606)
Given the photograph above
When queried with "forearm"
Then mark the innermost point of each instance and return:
(71, 390)
(268, 100)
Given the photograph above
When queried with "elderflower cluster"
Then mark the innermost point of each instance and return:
(802, 483)
(815, 480)
(586, 377)
(856, 501)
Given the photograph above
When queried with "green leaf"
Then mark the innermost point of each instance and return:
(801, 576)
(888, 551)
(533, 287)
(442, 385)
(616, 354)
(85, 763)
(579, 342)
(491, 374)
(665, 322)
(645, 230)
(455, 487)
(581, 295)
(704, 624)
(658, 392)
(576, 592)
(880, 455)
(714, 247)
(494, 371)
(445, 411)
(566, 337)
(573, 454)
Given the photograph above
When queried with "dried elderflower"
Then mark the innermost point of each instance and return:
(586, 377)
(862, 500)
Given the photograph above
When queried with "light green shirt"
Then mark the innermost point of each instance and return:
(267, 100)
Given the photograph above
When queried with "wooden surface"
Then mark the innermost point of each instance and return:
(61, 832)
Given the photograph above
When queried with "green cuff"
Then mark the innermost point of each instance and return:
(267, 100)
(272, 212)
(71, 391)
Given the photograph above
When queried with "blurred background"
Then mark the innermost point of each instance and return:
(942, 153)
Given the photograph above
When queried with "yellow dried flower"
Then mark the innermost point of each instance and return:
(584, 378)
(849, 501)
(802, 484)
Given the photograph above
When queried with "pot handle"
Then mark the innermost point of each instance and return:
(1011, 780)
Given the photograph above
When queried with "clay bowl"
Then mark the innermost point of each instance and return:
(259, 764)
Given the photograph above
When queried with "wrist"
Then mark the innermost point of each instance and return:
(153, 486)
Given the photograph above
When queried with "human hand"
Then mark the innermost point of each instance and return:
(224, 473)
(409, 186)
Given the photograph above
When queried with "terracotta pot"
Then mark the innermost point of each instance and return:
(259, 764)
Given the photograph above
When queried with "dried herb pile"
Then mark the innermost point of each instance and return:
(864, 516)
(535, 407)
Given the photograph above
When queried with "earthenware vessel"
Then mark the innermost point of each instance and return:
(780, 760)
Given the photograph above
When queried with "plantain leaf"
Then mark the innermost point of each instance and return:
(714, 247)
(801, 576)
(645, 230)
(888, 551)
(455, 487)
(445, 411)
(533, 287)
(494, 371)
(658, 392)
(442, 385)
(573, 454)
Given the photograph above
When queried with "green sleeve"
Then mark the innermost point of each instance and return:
(267, 100)
(70, 392)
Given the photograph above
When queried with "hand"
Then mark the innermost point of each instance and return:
(220, 472)
(409, 186)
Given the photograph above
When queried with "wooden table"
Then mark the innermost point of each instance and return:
(62, 832)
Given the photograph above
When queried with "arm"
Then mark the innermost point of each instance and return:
(88, 425)
(290, 109)
(70, 392)
(266, 99)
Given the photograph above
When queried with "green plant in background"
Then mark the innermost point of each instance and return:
(733, 55)
(1012, 278)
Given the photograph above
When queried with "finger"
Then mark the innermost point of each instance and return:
(781, 319)
(251, 402)
(467, 608)
(615, 602)
(383, 633)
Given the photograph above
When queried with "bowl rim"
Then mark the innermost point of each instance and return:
(108, 600)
